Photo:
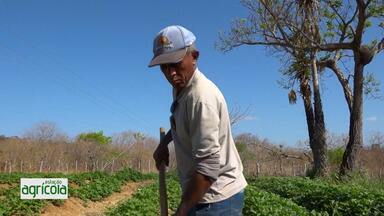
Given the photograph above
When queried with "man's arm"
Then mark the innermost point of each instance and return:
(162, 153)
(204, 133)
(196, 188)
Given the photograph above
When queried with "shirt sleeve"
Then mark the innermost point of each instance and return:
(204, 130)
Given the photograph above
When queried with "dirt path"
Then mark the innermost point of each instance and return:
(74, 206)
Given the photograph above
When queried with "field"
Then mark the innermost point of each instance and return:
(263, 196)
(88, 187)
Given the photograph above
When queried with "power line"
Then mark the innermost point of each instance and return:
(65, 83)
(112, 100)
(102, 99)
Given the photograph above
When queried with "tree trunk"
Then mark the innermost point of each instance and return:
(306, 95)
(320, 147)
(315, 124)
(356, 121)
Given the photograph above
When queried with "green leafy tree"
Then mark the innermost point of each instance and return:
(333, 30)
(96, 137)
(347, 23)
(287, 27)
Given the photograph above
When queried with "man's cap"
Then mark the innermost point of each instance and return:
(170, 45)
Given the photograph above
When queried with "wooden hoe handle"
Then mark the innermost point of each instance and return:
(163, 186)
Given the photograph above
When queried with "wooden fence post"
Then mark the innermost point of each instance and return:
(293, 169)
(41, 166)
(113, 163)
(275, 168)
(281, 167)
(76, 167)
(305, 169)
(149, 166)
(10, 166)
(257, 169)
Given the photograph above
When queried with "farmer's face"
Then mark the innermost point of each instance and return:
(178, 74)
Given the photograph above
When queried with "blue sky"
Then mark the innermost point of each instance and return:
(83, 65)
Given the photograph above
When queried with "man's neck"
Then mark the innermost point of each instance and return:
(181, 89)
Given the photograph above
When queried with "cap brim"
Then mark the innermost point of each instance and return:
(166, 58)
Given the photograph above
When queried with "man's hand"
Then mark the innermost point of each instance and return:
(161, 154)
(196, 188)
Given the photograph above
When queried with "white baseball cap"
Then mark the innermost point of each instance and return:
(170, 45)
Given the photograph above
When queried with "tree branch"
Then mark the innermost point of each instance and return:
(380, 46)
(277, 22)
(360, 24)
(338, 14)
(302, 33)
(334, 46)
(279, 153)
(367, 4)
(344, 83)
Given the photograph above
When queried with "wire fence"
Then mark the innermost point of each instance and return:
(271, 168)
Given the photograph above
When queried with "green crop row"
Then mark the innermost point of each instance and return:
(87, 186)
(263, 196)
(262, 203)
(146, 200)
(11, 204)
(324, 197)
(98, 185)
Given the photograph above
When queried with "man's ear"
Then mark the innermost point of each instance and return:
(195, 54)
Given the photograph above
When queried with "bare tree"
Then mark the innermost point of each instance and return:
(376, 138)
(45, 131)
(236, 114)
(125, 138)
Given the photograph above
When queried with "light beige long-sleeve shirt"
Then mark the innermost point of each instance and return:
(203, 140)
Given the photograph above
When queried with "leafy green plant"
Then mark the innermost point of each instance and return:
(13, 205)
(322, 196)
(89, 186)
(259, 202)
(335, 156)
(97, 185)
(146, 200)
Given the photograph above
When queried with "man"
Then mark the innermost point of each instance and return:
(208, 164)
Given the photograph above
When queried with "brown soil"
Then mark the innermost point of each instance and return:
(5, 185)
(75, 206)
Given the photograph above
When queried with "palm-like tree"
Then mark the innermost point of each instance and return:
(308, 9)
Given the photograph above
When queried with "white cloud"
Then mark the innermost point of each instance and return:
(372, 119)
